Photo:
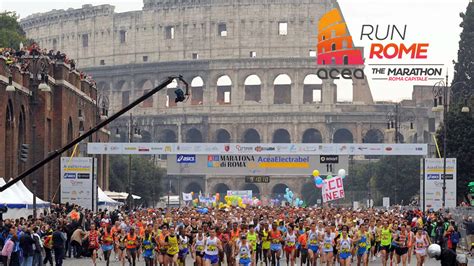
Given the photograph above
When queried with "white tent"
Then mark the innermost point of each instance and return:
(105, 200)
(18, 201)
(120, 195)
(29, 195)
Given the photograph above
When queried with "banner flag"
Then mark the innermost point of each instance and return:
(333, 189)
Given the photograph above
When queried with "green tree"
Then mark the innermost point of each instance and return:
(464, 67)
(358, 178)
(11, 33)
(401, 186)
(145, 176)
(460, 129)
(310, 193)
(357, 183)
(459, 145)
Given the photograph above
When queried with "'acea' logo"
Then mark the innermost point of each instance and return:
(336, 48)
(337, 57)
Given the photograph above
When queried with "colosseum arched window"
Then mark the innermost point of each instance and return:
(124, 93)
(145, 88)
(197, 91)
(251, 136)
(194, 136)
(312, 135)
(343, 135)
(253, 90)
(224, 90)
(282, 89)
(373, 136)
(344, 89)
(281, 136)
(312, 89)
(222, 136)
(167, 136)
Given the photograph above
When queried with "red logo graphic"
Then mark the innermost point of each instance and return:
(227, 148)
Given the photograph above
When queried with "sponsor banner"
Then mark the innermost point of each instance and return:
(185, 158)
(433, 193)
(76, 181)
(254, 165)
(206, 199)
(332, 149)
(244, 194)
(333, 189)
(329, 159)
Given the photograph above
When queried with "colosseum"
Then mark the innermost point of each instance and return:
(251, 65)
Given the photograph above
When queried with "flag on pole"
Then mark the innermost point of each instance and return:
(187, 196)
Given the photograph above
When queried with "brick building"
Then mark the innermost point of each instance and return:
(46, 121)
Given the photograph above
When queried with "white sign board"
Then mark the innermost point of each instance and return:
(333, 189)
(76, 181)
(259, 148)
(433, 192)
(355, 205)
(386, 202)
(370, 203)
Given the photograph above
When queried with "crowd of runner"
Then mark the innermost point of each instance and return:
(236, 236)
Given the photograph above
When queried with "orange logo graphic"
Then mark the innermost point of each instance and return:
(335, 45)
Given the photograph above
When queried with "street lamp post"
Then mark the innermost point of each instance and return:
(38, 79)
(442, 96)
(368, 139)
(131, 131)
(102, 113)
(38, 68)
(394, 120)
(34, 198)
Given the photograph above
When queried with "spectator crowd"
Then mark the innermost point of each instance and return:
(20, 58)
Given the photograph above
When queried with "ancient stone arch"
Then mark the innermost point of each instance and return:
(312, 135)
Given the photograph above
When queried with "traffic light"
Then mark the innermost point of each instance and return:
(24, 150)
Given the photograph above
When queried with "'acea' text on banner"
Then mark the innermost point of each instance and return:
(333, 189)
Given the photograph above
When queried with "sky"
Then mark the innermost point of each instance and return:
(428, 21)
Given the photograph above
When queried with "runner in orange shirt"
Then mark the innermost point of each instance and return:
(303, 245)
